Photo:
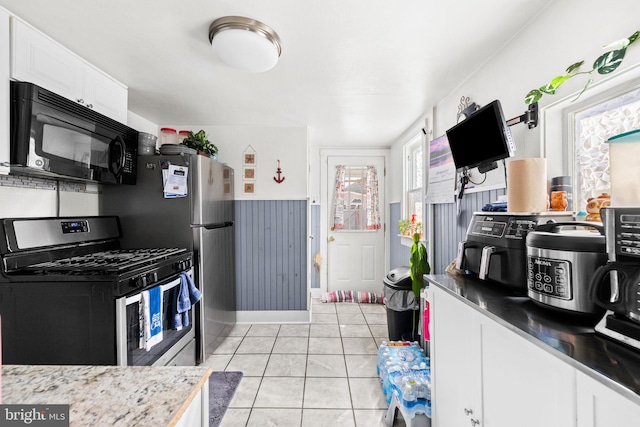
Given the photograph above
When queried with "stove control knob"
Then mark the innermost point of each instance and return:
(140, 282)
(183, 265)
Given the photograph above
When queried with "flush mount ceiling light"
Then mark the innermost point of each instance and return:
(244, 43)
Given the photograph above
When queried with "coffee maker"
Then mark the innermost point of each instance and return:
(615, 286)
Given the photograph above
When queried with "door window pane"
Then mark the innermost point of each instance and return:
(356, 203)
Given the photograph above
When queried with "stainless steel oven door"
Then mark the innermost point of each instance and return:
(176, 347)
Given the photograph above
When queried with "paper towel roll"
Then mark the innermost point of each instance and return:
(527, 185)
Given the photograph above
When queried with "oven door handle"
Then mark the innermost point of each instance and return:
(172, 284)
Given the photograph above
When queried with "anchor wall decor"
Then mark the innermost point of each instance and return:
(280, 178)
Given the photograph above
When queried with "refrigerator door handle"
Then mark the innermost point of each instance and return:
(218, 225)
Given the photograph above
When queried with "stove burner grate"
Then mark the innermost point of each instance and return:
(105, 261)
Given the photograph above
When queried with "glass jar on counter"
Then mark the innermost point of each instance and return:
(182, 135)
(168, 136)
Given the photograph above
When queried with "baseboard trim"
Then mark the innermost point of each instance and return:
(274, 316)
(316, 293)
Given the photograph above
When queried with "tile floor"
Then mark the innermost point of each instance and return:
(322, 374)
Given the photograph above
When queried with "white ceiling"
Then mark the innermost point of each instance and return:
(358, 73)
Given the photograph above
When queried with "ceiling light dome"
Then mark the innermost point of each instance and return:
(244, 43)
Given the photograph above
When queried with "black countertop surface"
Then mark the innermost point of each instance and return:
(567, 336)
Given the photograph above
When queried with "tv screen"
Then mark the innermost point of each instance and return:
(481, 139)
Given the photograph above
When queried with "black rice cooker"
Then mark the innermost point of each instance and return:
(561, 259)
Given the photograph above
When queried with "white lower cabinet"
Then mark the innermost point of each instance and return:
(523, 385)
(455, 361)
(197, 413)
(600, 406)
(485, 375)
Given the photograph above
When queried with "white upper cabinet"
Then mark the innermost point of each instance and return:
(104, 94)
(4, 92)
(40, 60)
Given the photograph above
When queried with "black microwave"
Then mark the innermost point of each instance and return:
(54, 137)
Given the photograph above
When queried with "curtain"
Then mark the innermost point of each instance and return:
(338, 199)
(356, 198)
(372, 206)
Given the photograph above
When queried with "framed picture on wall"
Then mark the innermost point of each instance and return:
(249, 173)
(250, 159)
(249, 187)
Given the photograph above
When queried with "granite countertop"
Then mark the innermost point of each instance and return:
(107, 395)
(569, 337)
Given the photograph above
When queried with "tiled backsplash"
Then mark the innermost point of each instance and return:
(43, 184)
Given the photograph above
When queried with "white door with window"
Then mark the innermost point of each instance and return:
(354, 203)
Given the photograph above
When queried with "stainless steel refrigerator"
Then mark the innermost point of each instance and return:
(202, 222)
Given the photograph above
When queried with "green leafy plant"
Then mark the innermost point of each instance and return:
(408, 228)
(404, 225)
(418, 266)
(198, 141)
(605, 64)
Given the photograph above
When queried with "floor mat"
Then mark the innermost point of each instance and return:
(353, 296)
(222, 386)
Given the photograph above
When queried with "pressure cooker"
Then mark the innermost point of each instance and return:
(561, 259)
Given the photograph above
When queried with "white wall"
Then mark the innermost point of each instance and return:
(287, 144)
(564, 33)
(26, 202)
(395, 180)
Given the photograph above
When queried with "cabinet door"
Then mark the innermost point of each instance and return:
(4, 92)
(105, 95)
(40, 60)
(523, 385)
(600, 406)
(455, 360)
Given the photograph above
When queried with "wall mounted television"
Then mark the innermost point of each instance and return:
(481, 139)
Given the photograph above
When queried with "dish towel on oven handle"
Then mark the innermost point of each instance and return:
(186, 297)
(151, 310)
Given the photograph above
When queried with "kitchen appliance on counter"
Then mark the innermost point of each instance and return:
(69, 295)
(201, 219)
(54, 137)
(616, 285)
(561, 259)
(495, 248)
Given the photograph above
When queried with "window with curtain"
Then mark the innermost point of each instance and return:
(356, 199)
(593, 126)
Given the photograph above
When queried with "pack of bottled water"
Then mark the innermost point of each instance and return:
(405, 374)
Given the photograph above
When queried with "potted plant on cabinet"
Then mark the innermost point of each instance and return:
(198, 141)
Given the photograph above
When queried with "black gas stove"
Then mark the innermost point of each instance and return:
(73, 249)
(66, 285)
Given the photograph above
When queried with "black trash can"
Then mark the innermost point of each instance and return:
(400, 302)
